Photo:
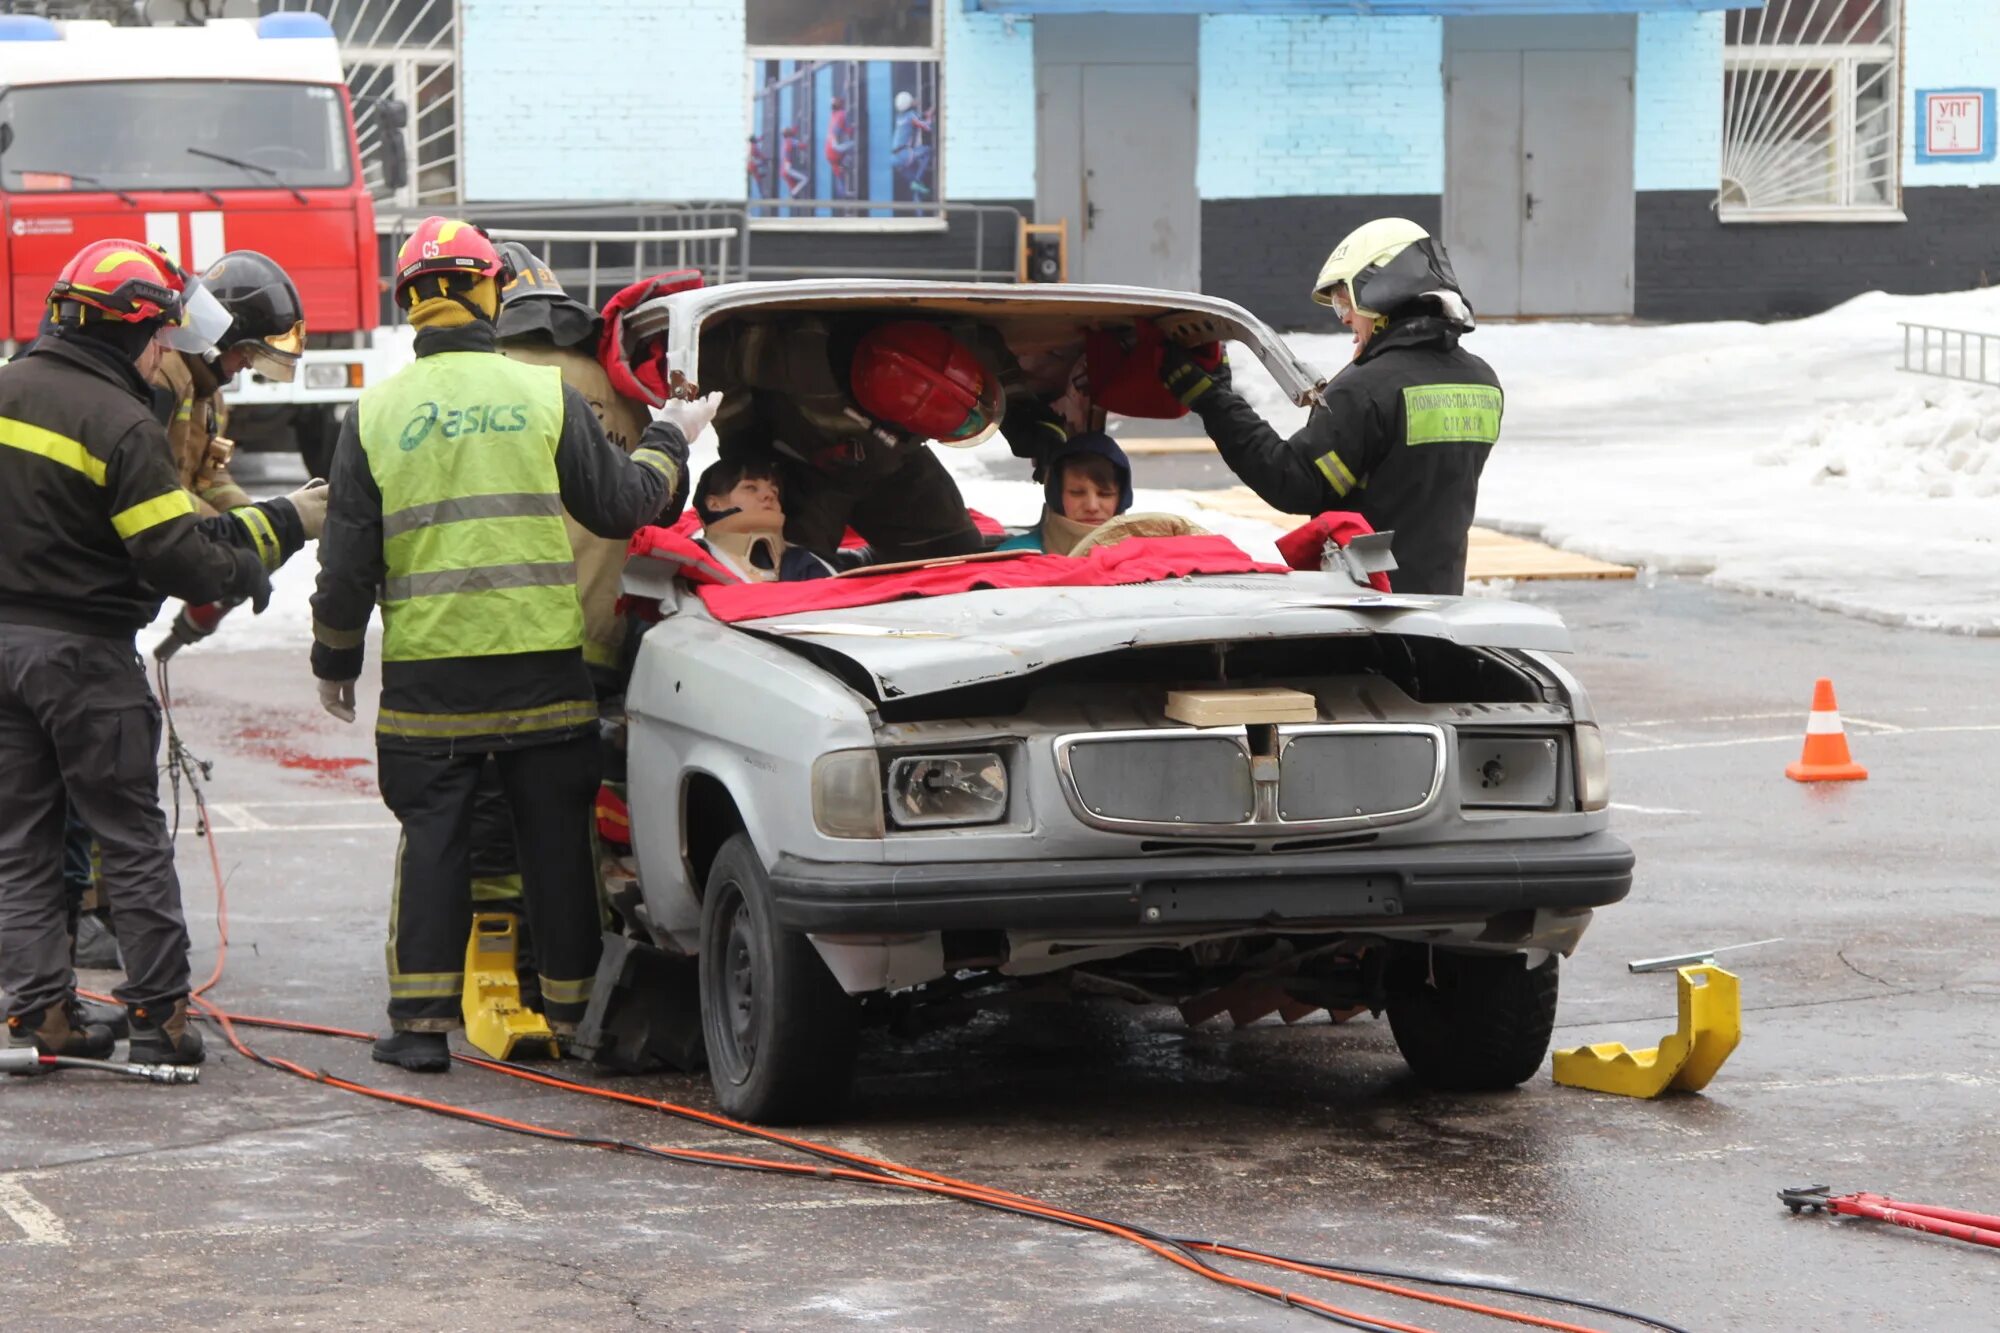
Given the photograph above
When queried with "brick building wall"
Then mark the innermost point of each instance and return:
(989, 105)
(589, 102)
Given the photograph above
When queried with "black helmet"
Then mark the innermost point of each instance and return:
(267, 321)
(535, 306)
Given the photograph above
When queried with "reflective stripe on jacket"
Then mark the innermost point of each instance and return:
(462, 447)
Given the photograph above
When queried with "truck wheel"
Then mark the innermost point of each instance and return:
(780, 1031)
(1484, 1024)
(317, 430)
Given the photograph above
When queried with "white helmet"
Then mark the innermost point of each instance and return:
(1386, 264)
(904, 101)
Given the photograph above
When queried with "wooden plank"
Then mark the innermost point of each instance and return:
(1489, 554)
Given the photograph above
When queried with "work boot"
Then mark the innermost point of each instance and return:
(60, 1029)
(96, 946)
(164, 1037)
(107, 1015)
(419, 1052)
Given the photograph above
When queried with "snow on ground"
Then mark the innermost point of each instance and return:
(1790, 459)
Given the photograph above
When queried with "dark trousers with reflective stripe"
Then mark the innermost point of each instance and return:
(549, 789)
(76, 715)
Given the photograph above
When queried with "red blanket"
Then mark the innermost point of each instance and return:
(1134, 560)
(1303, 545)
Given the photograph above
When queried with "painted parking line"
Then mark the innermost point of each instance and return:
(190, 831)
(1792, 737)
(455, 1173)
(1650, 809)
(38, 1223)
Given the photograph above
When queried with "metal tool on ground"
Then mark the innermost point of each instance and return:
(495, 1019)
(1673, 962)
(1711, 1024)
(1957, 1223)
(28, 1060)
(1825, 757)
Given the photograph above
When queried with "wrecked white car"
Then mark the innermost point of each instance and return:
(1242, 792)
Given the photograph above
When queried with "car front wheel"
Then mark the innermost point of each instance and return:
(1472, 1022)
(780, 1031)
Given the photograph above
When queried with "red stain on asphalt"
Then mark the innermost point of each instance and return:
(272, 743)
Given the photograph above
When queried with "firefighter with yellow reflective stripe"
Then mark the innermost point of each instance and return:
(1401, 434)
(450, 482)
(94, 530)
(266, 333)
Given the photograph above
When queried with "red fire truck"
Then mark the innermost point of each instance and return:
(236, 134)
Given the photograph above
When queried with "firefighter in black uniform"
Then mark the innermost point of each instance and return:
(1401, 434)
(95, 530)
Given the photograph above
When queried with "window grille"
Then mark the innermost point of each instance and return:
(1810, 130)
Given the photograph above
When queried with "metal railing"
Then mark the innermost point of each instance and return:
(591, 245)
(1955, 354)
(950, 252)
(647, 249)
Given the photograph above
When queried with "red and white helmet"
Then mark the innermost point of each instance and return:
(446, 246)
(919, 378)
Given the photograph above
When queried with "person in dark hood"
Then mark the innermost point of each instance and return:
(1087, 482)
(1401, 434)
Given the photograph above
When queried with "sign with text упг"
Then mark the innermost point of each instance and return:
(1955, 124)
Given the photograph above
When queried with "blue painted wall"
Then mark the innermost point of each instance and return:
(989, 105)
(1947, 44)
(584, 101)
(1677, 102)
(1321, 106)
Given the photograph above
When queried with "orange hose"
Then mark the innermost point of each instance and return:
(877, 1172)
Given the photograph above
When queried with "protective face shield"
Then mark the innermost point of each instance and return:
(204, 320)
(1343, 305)
(276, 358)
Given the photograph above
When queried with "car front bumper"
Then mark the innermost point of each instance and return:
(1358, 888)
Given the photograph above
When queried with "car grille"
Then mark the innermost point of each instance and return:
(1321, 778)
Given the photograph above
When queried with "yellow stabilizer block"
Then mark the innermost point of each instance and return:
(1711, 1023)
(495, 1019)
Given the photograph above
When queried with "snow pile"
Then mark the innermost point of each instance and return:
(1938, 441)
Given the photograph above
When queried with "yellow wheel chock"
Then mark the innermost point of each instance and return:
(1711, 1023)
(495, 1019)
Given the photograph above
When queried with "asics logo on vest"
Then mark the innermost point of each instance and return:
(452, 422)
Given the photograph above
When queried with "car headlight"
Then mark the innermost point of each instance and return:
(333, 375)
(1593, 774)
(926, 790)
(847, 794)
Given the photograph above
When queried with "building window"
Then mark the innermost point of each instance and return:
(1809, 112)
(844, 111)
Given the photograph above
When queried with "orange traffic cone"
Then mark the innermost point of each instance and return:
(1826, 758)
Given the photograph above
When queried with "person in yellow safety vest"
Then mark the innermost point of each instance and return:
(450, 480)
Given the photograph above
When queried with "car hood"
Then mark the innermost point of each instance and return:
(925, 645)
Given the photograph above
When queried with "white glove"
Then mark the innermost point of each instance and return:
(337, 698)
(692, 418)
(310, 502)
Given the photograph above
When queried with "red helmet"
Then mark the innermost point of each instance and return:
(918, 377)
(446, 246)
(128, 281)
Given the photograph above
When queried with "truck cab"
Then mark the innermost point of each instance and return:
(229, 135)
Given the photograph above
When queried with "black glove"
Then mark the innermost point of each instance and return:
(1191, 374)
(252, 581)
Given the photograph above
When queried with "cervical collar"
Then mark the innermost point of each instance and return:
(748, 544)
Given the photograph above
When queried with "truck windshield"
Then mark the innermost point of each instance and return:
(138, 136)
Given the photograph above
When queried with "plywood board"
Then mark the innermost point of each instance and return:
(1489, 555)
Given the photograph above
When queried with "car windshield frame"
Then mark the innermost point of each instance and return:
(158, 136)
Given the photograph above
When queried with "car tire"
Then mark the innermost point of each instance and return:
(780, 1031)
(1472, 1022)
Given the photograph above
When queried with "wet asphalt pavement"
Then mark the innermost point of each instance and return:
(1871, 1060)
